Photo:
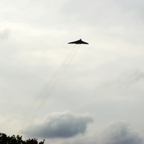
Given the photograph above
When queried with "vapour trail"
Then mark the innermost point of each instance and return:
(67, 65)
(56, 77)
(53, 77)
(61, 66)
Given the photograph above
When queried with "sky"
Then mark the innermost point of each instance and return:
(72, 94)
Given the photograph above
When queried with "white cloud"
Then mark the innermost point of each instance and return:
(60, 125)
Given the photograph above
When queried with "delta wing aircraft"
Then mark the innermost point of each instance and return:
(78, 42)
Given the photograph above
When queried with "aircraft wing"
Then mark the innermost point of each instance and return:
(74, 42)
(82, 42)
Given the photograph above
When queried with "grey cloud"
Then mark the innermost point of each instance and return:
(60, 125)
(119, 133)
(114, 133)
(4, 34)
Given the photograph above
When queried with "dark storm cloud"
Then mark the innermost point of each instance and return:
(4, 34)
(60, 125)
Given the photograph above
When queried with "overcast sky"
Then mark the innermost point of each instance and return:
(71, 94)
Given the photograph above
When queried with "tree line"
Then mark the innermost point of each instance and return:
(4, 139)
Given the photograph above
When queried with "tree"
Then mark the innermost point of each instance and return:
(4, 139)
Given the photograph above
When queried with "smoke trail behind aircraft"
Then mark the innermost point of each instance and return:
(50, 86)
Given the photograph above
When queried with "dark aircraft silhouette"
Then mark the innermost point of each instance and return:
(78, 42)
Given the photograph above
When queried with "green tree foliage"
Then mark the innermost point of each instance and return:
(4, 139)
